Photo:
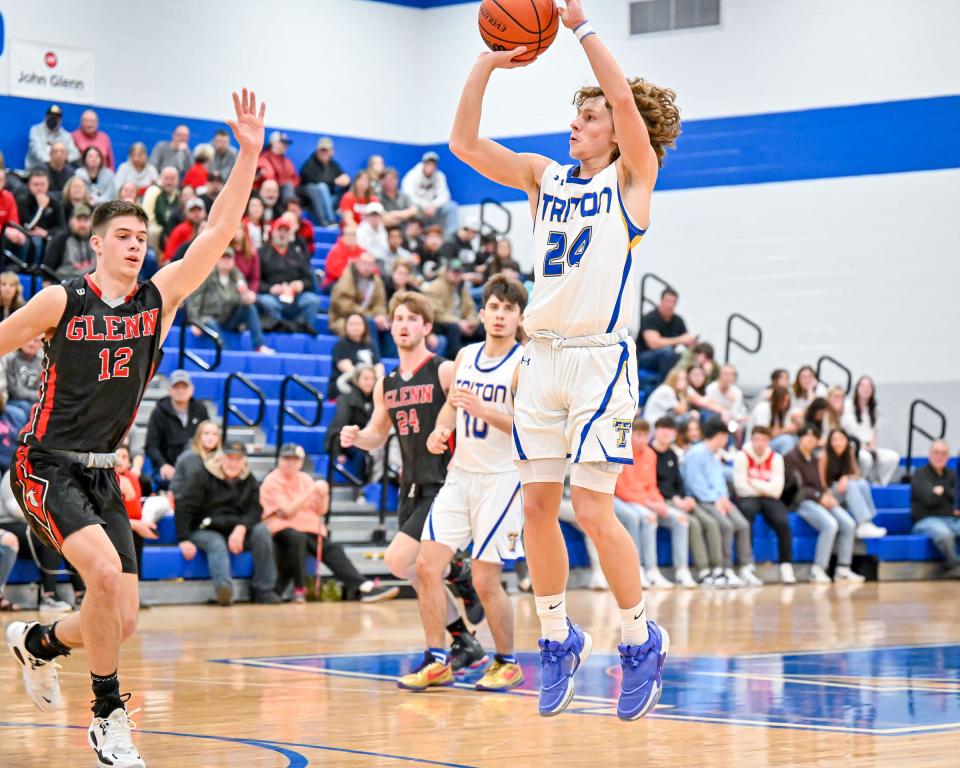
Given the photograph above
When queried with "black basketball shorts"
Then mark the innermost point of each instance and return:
(413, 508)
(59, 496)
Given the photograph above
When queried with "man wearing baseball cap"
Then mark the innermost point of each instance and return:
(323, 181)
(274, 164)
(295, 507)
(69, 254)
(171, 427)
(43, 135)
(287, 297)
(426, 185)
(218, 510)
(455, 311)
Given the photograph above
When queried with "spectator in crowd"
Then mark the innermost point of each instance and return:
(40, 214)
(196, 175)
(270, 197)
(397, 204)
(132, 494)
(859, 420)
(670, 399)
(455, 312)
(704, 480)
(426, 186)
(703, 356)
(820, 508)
(88, 134)
(75, 192)
(44, 135)
(23, 378)
(274, 164)
(11, 294)
(213, 189)
(12, 520)
(254, 223)
(413, 234)
(703, 537)
(287, 294)
(219, 512)
(660, 332)
(206, 441)
(138, 171)
(816, 413)
(727, 398)
(161, 201)
(806, 388)
(460, 246)
(430, 261)
(935, 506)
(833, 418)
(11, 183)
(171, 426)
(247, 260)
(360, 290)
(640, 506)
(697, 393)
(294, 510)
(356, 199)
(9, 547)
(502, 256)
(344, 252)
(353, 348)
(395, 249)
(69, 254)
(690, 434)
(841, 474)
(758, 477)
(375, 168)
(403, 277)
(13, 238)
(355, 406)
(99, 178)
(187, 230)
(57, 167)
(129, 193)
(775, 414)
(323, 181)
(780, 377)
(226, 303)
(175, 152)
(179, 214)
(224, 156)
(372, 234)
(304, 229)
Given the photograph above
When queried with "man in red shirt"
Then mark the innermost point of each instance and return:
(90, 135)
(641, 507)
(304, 229)
(13, 239)
(185, 231)
(274, 164)
(344, 251)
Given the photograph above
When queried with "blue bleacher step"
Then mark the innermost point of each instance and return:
(896, 496)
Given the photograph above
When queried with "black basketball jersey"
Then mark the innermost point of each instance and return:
(96, 369)
(413, 405)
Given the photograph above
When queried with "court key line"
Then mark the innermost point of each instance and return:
(296, 760)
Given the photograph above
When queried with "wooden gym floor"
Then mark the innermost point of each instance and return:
(806, 676)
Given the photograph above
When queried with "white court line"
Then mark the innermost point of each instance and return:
(822, 652)
(819, 683)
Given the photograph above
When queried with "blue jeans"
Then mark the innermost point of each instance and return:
(858, 500)
(646, 536)
(784, 443)
(258, 541)
(658, 361)
(245, 314)
(303, 309)
(8, 559)
(944, 532)
(321, 200)
(833, 525)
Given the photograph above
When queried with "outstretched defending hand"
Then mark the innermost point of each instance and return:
(572, 16)
(248, 127)
(504, 59)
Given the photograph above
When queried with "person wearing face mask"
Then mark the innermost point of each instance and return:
(44, 135)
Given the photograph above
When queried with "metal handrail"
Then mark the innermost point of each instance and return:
(483, 218)
(732, 342)
(189, 354)
(643, 290)
(380, 533)
(287, 410)
(230, 408)
(29, 267)
(914, 428)
(828, 359)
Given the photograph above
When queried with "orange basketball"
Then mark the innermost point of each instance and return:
(508, 24)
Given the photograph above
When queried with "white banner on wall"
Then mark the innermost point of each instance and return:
(50, 72)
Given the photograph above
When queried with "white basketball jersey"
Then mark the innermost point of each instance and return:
(481, 447)
(584, 257)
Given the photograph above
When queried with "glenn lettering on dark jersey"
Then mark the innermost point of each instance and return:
(96, 368)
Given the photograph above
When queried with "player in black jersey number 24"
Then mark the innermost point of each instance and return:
(102, 337)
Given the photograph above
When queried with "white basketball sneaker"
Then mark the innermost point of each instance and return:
(843, 573)
(656, 579)
(787, 575)
(749, 576)
(684, 578)
(819, 576)
(110, 738)
(40, 678)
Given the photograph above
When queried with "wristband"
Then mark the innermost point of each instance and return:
(584, 30)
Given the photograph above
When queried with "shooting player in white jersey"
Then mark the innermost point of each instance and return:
(576, 398)
(480, 501)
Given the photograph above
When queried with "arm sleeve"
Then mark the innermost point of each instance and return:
(774, 486)
(155, 159)
(188, 504)
(740, 483)
(53, 255)
(270, 497)
(38, 151)
(73, 154)
(443, 191)
(253, 512)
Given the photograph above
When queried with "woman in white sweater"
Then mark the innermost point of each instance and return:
(670, 399)
(859, 420)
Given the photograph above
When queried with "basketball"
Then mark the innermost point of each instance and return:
(508, 24)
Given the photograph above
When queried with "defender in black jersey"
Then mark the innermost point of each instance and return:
(103, 336)
(409, 401)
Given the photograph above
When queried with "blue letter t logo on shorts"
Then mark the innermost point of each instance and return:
(623, 427)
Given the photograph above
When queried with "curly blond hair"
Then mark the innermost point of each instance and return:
(657, 106)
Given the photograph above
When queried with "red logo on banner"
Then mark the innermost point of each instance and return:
(50, 59)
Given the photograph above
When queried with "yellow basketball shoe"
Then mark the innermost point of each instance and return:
(501, 676)
(432, 673)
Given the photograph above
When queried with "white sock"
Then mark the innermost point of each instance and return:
(552, 610)
(633, 624)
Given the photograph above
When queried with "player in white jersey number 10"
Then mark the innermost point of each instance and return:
(575, 399)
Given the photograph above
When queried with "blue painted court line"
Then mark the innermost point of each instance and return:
(296, 760)
(894, 691)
